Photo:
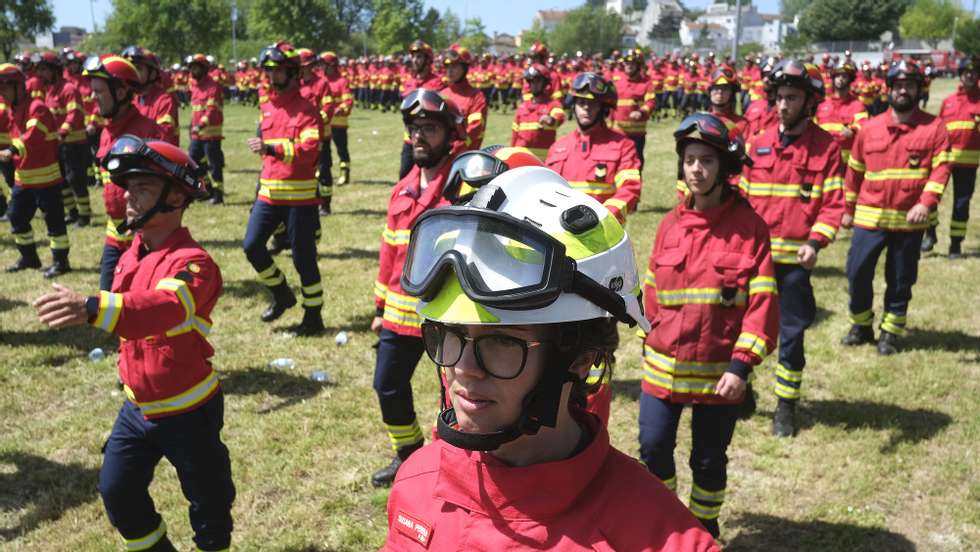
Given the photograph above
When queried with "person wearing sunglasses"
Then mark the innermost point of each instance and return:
(796, 184)
(512, 288)
(115, 82)
(593, 158)
(537, 119)
(436, 129)
(896, 176)
(160, 306)
(32, 151)
(207, 117)
(421, 76)
(710, 296)
(468, 100)
(636, 99)
(288, 196)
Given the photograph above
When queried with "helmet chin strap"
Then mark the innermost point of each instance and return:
(539, 408)
(159, 207)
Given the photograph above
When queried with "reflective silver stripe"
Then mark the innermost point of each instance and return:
(184, 400)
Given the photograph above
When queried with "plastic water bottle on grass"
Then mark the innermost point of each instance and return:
(96, 354)
(282, 364)
(341, 339)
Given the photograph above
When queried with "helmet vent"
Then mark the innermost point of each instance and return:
(489, 197)
(579, 219)
(543, 202)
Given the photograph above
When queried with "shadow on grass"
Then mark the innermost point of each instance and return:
(828, 271)
(11, 304)
(821, 315)
(221, 244)
(906, 425)
(770, 533)
(349, 253)
(376, 182)
(82, 338)
(244, 289)
(630, 388)
(244, 171)
(43, 489)
(952, 341)
(309, 548)
(656, 209)
(293, 387)
(362, 213)
(359, 323)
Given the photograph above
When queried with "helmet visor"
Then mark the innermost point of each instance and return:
(589, 83)
(130, 154)
(93, 64)
(700, 126)
(470, 171)
(500, 261)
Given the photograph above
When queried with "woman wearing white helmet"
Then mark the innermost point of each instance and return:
(710, 296)
(511, 288)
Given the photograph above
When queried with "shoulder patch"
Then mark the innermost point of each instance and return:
(413, 528)
(763, 151)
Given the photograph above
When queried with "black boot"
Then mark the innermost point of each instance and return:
(312, 324)
(28, 259)
(955, 248)
(217, 196)
(711, 525)
(747, 408)
(72, 216)
(858, 335)
(60, 265)
(929, 239)
(386, 475)
(3, 208)
(784, 421)
(282, 299)
(325, 206)
(162, 545)
(887, 343)
(83, 221)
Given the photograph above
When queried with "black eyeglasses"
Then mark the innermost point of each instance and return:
(501, 356)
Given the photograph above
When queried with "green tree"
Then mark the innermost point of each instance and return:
(667, 27)
(749, 49)
(968, 37)
(354, 15)
(304, 23)
(931, 20)
(850, 19)
(395, 24)
(428, 25)
(447, 31)
(536, 33)
(475, 36)
(22, 18)
(601, 30)
(171, 28)
(790, 8)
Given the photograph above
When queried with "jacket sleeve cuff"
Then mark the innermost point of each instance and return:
(929, 199)
(740, 368)
(379, 311)
(92, 308)
(817, 242)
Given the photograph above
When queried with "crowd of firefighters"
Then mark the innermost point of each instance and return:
(800, 150)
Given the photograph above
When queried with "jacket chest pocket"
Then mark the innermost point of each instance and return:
(556, 160)
(918, 159)
(605, 165)
(670, 277)
(731, 271)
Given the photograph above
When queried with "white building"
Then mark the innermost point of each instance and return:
(639, 23)
(765, 29)
(550, 18)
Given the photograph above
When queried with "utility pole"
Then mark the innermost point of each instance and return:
(91, 7)
(234, 20)
(738, 30)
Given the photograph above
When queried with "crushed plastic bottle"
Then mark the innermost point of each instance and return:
(282, 364)
(341, 338)
(96, 354)
(320, 376)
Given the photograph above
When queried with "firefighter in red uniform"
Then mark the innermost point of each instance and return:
(33, 152)
(709, 326)
(73, 61)
(436, 128)
(114, 83)
(7, 167)
(343, 103)
(519, 463)
(468, 100)
(422, 77)
(153, 100)
(761, 113)
(593, 158)
(537, 120)
(635, 101)
(289, 146)
(961, 114)
(315, 89)
(74, 156)
(842, 114)
(796, 184)
(207, 118)
(160, 306)
(896, 174)
(722, 89)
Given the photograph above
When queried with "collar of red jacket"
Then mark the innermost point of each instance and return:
(918, 117)
(177, 237)
(770, 139)
(693, 218)
(478, 481)
(117, 124)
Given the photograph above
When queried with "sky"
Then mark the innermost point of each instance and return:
(503, 16)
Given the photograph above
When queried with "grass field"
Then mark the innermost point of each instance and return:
(888, 457)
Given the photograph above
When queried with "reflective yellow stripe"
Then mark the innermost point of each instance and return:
(855, 164)
(287, 190)
(774, 189)
(400, 317)
(146, 542)
(676, 376)
(41, 175)
(311, 134)
(110, 230)
(833, 127)
(190, 398)
(964, 157)
(696, 296)
(474, 117)
(650, 279)
(934, 187)
(380, 290)
(961, 125)
(753, 343)
(186, 298)
(592, 187)
(626, 174)
(404, 435)
(762, 284)
(897, 174)
(824, 230)
(396, 237)
(110, 309)
(885, 219)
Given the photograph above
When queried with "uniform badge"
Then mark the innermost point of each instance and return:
(806, 191)
(763, 151)
(413, 528)
(193, 267)
(728, 296)
(600, 172)
(914, 161)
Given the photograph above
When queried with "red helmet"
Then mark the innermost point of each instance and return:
(634, 55)
(905, 70)
(592, 86)
(199, 59)
(792, 72)
(47, 58)
(845, 68)
(538, 49)
(10, 72)
(69, 55)
(422, 103)
(113, 68)
(306, 56)
(457, 54)
(420, 47)
(280, 53)
(329, 58)
(131, 155)
(536, 70)
(723, 76)
(473, 169)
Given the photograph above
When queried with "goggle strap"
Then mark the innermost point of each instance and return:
(602, 297)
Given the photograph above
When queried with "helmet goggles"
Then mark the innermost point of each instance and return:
(130, 154)
(500, 261)
(472, 170)
(94, 67)
(700, 126)
(272, 56)
(589, 85)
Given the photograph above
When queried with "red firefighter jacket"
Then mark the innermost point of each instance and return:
(961, 113)
(317, 92)
(603, 164)
(633, 95)
(65, 104)
(527, 129)
(35, 145)
(894, 166)
(710, 296)
(159, 106)
(758, 117)
(291, 128)
(207, 102)
(160, 307)
(90, 108)
(836, 114)
(131, 122)
(447, 499)
(5, 123)
(408, 201)
(342, 100)
(798, 189)
(473, 106)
